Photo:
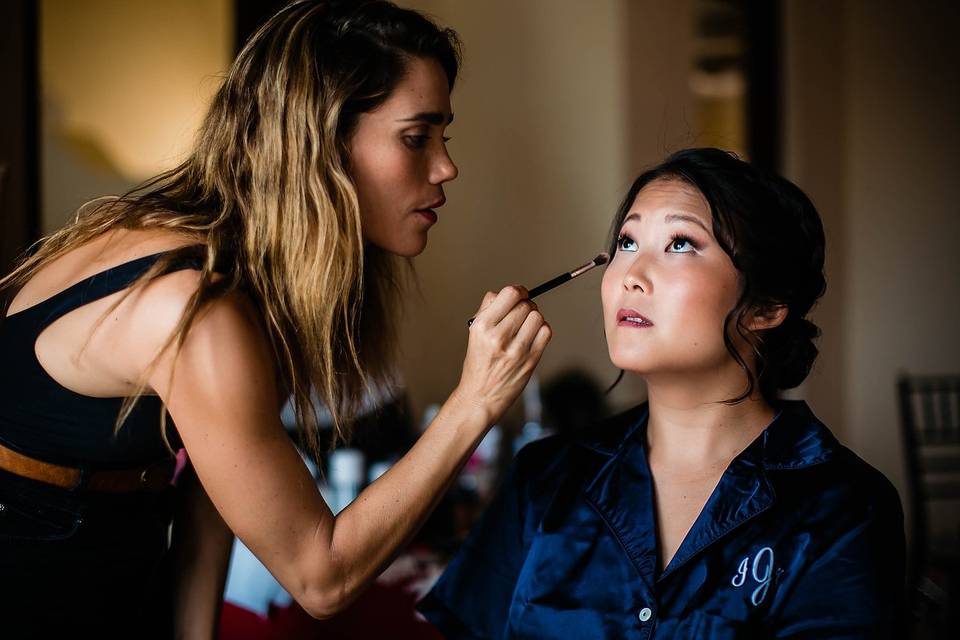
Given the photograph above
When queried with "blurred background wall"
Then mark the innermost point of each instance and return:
(543, 141)
(872, 104)
(124, 87)
(560, 105)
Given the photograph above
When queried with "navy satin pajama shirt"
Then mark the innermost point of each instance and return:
(800, 539)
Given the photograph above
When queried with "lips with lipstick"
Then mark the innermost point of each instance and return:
(428, 211)
(632, 318)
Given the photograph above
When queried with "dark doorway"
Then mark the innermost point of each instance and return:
(19, 150)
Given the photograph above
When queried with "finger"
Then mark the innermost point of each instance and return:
(503, 304)
(488, 297)
(511, 323)
(528, 330)
(544, 333)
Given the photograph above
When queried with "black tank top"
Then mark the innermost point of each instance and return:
(44, 420)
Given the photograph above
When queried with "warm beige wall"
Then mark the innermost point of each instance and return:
(904, 222)
(814, 149)
(559, 103)
(124, 86)
(873, 98)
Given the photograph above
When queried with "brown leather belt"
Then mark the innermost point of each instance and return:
(153, 478)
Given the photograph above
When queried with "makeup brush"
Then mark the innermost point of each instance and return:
(603, 258)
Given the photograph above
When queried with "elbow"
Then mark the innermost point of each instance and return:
(321, 610)
(324, 603)
(326, 590)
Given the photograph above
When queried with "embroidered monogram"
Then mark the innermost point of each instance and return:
(760, 569)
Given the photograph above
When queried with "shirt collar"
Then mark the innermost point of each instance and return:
(795, 439)
(621, 490)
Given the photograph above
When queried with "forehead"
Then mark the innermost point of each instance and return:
(664, 195)
(423, 88)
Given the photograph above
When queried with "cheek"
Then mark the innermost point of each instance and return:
(373, 174)
(377, 169)
(608, 290)
(362, 171)
(700, 303)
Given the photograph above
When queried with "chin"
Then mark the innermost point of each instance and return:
(619, 361)
(410, 249)
(629, 361)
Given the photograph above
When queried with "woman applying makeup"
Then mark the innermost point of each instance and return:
(266, 265)
(715, 509)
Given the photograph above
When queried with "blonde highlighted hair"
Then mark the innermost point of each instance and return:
(268, 193)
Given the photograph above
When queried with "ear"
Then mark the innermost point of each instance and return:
(768, 317)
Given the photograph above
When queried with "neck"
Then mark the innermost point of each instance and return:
(691, 428)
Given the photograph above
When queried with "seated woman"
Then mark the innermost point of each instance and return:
(715, 509)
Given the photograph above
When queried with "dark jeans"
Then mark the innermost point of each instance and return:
(72, 563)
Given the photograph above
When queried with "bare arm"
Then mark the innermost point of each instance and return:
(224, 402)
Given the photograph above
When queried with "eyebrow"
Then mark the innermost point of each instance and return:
(671, 217)
(430, 117)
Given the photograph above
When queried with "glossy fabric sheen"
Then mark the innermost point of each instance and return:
(42, 419)
(800, 539)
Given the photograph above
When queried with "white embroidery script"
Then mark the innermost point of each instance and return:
(761, 569)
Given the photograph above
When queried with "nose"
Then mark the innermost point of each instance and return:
(637, 277)
(443, 169)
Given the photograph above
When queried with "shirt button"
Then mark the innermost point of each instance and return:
(645, 614)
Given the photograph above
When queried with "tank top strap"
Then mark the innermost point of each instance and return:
(102, 284)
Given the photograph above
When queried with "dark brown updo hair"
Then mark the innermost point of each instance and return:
(773, 235)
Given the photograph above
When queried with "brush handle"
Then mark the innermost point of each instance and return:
(559, 280)
(542, 288)
(550, 284)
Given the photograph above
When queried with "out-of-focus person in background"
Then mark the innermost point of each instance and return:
(716, 509)
(267, 264)
(572, 399)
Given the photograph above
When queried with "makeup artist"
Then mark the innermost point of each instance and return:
(266, 264)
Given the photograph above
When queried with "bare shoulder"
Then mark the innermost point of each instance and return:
(227, 328)
(230, 321)
(104, 347)
(142, 323)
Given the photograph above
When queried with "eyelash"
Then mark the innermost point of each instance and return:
(420, 141)
(416, 142)
(677, 237)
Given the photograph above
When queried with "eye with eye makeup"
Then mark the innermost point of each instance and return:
(419, 141)
(679, 243)
(625, 243)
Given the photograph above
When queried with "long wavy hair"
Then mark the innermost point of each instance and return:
(268, 193)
